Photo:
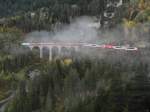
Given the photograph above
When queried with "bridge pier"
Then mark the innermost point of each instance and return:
(50, 49)
(59, 50)
(41, 52)
(50, 53)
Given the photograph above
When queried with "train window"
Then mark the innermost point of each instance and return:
(118, 47)
(131, 48)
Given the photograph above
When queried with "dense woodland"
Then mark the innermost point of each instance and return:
(36, 14)
(115, 82)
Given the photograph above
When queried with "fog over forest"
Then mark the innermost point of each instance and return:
(74, 56)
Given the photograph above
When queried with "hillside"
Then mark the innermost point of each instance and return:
(88, 80)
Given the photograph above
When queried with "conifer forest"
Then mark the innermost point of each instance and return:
(74, 55)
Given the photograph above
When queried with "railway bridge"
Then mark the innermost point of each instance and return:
(50, 46)
(75, 46)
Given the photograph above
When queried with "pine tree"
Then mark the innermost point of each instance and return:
(139, 90)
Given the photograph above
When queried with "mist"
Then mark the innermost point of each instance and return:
(87, 30)
(80, 30)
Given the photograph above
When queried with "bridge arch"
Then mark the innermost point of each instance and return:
(45, 52)
(72, 51)
(55, 52)
(36, 51)
(52, 51)
(65, 51)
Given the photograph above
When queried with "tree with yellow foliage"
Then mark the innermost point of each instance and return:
(67, 61)
(138, 12)
(142, 4)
